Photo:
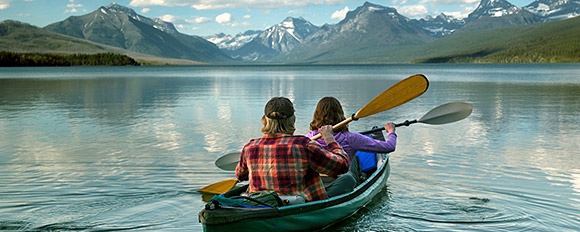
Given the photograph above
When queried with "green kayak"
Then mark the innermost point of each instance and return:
(307, 216)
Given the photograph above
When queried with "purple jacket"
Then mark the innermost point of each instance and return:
(353, 142)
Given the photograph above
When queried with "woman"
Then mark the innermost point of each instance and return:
(289, 164)
(329, 112)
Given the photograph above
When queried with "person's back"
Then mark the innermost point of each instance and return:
(329, 112)
(352, 142)
(289, 164)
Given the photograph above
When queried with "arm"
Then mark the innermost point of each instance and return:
(242, 172)
(333, 161)
(360, 142)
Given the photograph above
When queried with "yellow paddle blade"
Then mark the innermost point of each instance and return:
(398, 94)
(219, 187)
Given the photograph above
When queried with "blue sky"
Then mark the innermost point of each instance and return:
(207, 17)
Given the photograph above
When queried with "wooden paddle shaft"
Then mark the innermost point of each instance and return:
(340, 124)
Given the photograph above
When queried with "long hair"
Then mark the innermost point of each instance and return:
(328, 112)
(276, 126)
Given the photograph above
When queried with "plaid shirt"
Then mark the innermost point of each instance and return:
(290, 165)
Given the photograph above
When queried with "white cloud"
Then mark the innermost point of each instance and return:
(465, 11)
(340, 14)
(4, 4)
(139, 3)
(169, 18)
(446, 2)
(200, 20)
(223, 18)
(145, 10)
(229, 4)
(72, 7)
(413, 10)
(247, 16)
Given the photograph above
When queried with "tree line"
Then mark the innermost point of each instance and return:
(12, 59)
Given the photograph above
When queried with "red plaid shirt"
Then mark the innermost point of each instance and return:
(290, 165)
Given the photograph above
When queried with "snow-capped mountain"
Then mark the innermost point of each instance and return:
(442, 25)
(493, 8)
(233, 42)
(286, 35)
(122, 27)
(273, 41)
(496, 14)
(552, 10)
(366, 30)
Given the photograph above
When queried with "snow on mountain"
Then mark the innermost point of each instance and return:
(442, 25)
(264, 45)
(552, 10)
(493, 8)
(284, 36)
(233, 42)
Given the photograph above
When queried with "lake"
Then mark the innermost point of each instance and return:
(126, 148)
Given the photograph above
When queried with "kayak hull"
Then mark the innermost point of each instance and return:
(307, 216)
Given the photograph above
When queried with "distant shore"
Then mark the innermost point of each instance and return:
(14, 59)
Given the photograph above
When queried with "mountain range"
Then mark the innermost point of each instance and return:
(372, 30)
(122, 27)
(369, 34)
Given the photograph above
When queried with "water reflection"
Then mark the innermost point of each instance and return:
(77, 152)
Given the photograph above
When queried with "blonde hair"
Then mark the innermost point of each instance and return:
(276, 126)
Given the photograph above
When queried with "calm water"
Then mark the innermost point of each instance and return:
(126, 148)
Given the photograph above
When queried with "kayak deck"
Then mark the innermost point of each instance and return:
(300, 217)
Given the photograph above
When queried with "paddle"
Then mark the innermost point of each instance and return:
(446, 113)
(398, 94)
(220, 187)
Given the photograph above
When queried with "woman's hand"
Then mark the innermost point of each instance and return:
(327, 134)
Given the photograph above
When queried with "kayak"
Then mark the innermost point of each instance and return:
(314, 215)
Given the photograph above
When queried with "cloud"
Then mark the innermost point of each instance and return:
(465, 11)
(229, 4)
(4, 4)
(72, 7)
(169, 18)
(340, 14)
(145, 10)
(223, 18)
(200, 20)
(247, 16)
(413, 10)
(448, 2)
(140, 3)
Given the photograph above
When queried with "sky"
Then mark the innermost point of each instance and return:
(209, 17)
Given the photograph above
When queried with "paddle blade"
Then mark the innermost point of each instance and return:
(219, 187)
(229, 161)
(447, 113)
(398, 94)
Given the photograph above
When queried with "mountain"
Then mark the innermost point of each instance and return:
(552, 10)
(233, 42)
(275, 40)
(24, 38)
(553, 42)
(368, 30)
(442, 25)
(498, 13)
(121, 27)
